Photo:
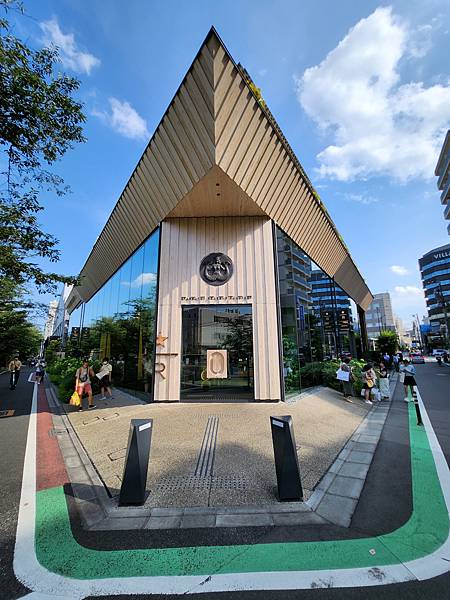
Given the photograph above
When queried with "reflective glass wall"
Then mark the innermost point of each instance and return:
(119, 321)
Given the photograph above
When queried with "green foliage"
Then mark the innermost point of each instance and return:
(17, 334)
(324, 373)
(39, 122)
(62, 373)
(387, 341)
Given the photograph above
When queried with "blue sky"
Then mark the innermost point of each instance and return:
(360, 89)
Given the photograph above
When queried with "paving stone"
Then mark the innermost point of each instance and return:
(196, 510)
(83, 492)
(167, 512)
(129, 511)
(346, 486)
(360, 457)
(197, 521)
(369, 439)
(344, 454)
(173, 522)
(358, 470)
(305, 518)
(337, 509)
(248, 520)
(326, 481)
(242, 510)
(365, 447)
(119, 524)
(73, 461)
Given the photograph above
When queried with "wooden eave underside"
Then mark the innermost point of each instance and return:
(216, 135)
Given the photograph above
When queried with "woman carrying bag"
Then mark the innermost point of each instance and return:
(369, 378)
(346, 380)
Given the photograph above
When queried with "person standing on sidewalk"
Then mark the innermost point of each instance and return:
(409, 381)
(105, 378)
(83, 383)
(384, 381)
(369, 378)
(347, 386)
(14, 372)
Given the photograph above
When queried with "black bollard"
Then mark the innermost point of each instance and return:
(134, 482)
(417, 407)
(286, 461)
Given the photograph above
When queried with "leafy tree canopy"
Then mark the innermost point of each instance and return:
(39, 121)
(387, 341)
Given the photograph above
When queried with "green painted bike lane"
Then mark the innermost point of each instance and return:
(425, 531)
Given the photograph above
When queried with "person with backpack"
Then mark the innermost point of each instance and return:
(83, 383)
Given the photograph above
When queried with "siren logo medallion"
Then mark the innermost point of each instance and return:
(216, 268)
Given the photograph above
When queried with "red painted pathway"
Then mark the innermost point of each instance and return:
(50, 468)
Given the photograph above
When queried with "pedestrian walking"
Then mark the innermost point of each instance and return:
(40, 370)
(83, 383)
(369, 379)
(14, 372)
(384, 381)
(347, 386)
(105, 378)
(409, 378)
(396, 363)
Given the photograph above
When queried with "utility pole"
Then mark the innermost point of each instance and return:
(420, 333)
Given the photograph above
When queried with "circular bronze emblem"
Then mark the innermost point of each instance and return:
(216, 268)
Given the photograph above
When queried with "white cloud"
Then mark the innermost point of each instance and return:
(71, 56)
(399, 270)
(379, 126)
(408, 290)
(142, 279)
(124, 119)
(360, 198)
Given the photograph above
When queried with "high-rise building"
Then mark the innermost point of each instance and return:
(51, 314)
(331, 306)
(379, 315)
(61, 320)
(435, 272)
(442, 172)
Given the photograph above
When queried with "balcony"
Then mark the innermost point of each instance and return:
(445, 196)
(444, 174)
(447, 211)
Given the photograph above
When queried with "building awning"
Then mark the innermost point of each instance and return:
(218, 151)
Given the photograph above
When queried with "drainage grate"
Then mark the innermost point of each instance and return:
(205, 461)
(54, 432)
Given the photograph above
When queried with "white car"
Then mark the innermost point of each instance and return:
(439, 352)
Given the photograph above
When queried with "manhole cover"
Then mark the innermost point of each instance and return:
(6, 413)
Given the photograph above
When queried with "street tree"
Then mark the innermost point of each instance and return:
(39, 121)
(387, 342)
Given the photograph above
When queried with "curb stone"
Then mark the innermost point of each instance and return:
(337, 494)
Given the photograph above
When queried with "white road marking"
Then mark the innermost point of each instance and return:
(43, 582)
(31, 378)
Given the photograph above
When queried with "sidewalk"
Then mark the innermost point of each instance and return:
(238, 485)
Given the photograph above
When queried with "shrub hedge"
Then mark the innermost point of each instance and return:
(62, 375)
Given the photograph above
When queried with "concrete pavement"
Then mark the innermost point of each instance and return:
(392, 462)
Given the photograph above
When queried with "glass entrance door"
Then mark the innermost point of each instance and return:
(217, 327)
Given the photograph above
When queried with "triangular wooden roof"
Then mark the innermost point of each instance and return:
(218, 134)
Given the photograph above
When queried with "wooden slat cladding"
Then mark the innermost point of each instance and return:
(248, 242)
(179, 154)
(249, 150)
(215, 128)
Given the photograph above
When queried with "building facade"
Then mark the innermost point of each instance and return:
(435, 272)
(379, 315)
(332, 309)
(442, 172)
(197, 288)
(50, 321)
